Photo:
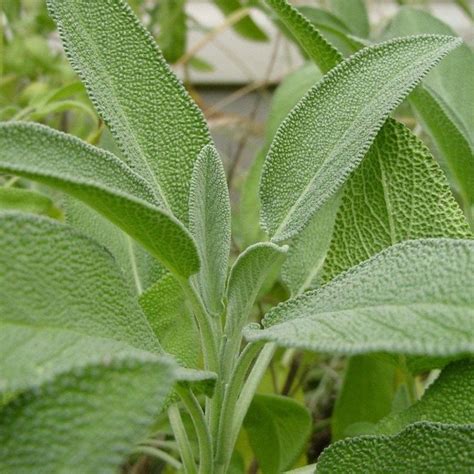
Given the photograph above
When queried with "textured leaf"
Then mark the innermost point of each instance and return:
(246, 27)
(308, 161)
(247, 276)
(332, 29)
(27, 200)
(450, 104)
(159, 128)
(165, 308)
(307, 253)
(390, 302)
(447, 400)
(102, 181)
(353, 14)
(87, 420)
(366, 394)
(398, 193)
(277, 427)
(439, 121)
(422, 447)
(307, 35)
(287, 94)
(209, 223)
(58, 307)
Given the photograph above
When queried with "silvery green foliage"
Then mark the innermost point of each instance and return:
(93, 332)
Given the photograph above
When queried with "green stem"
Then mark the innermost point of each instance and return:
(199, 421)
(233, 409)
(182, 440)
(208, 328)
(158, 453)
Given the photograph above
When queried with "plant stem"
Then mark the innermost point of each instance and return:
(236, 401)
(182, 440)
(158, 453)
(199, 421)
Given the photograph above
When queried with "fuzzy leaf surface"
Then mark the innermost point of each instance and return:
(60, 307)
(102, 181)
(421, 447)
(209, 224)
(398, 193)
(389, 303)
(86, 420)
(157, 125)
(309, 161)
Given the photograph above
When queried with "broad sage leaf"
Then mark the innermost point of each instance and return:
(389, 303)
(353, 14)
(309, 160)
(60, 308)
(171, 18)
(102, 181)
(61, 421)
(157, 125)
(421, 447)
(209, 224)
(28, 200)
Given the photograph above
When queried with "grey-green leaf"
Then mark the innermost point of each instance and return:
(422, 447)
(247, 276)
(209, 224)
(309, 160)
(390, 302)
(152, 117)
(307, 35)
(165, 307)
(86, 420)
(447, 400)
(353, 14)
(28, 200)
(103, 182)
(62, 301)
(171, 18)
(398, 193)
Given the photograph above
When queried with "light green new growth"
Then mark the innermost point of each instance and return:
(159, 128)
(103, 182)
(209, 224)
(329, 131)
(386, 303)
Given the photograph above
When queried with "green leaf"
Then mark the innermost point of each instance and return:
(103, 182)
(165, 308)
(422, 447)
(140, 268)
(171, 16)
(278, 428)
(390, 302)
(27, 200)
(447, 400)
(448, 82)
(366, 394)
(353, 14)
(158, 126)
(309, 160)
(209, 224)
(307, 35)
(86, 420)
(247, 276)
(440, 122)
(307, 253)
(332, 29)
(58, 307)
(245, 27)
(398, 193)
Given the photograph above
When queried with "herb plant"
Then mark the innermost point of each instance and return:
(123, 331)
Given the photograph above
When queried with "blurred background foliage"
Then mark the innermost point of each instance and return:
(37, 84)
